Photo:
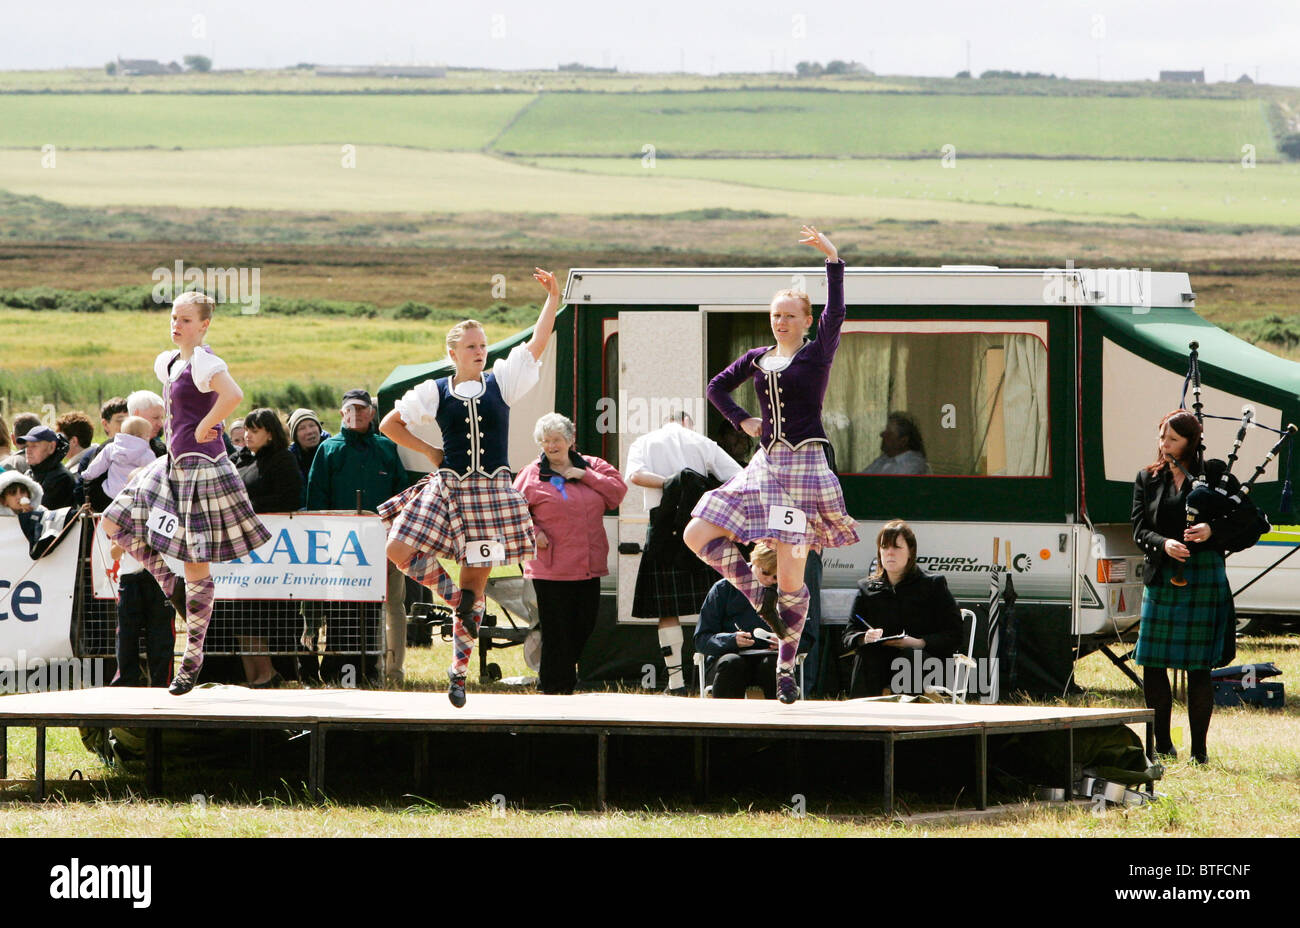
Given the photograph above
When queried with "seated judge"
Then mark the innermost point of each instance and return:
(901, 616)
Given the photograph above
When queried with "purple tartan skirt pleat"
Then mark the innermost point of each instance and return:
(796, 479)
(214, 521)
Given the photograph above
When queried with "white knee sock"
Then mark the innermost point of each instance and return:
(670, 645)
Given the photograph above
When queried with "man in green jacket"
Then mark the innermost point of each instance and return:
(358, 458)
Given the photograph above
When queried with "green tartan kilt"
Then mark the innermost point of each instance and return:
(1192, 627)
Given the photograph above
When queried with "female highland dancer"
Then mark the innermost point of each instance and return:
(466, 510)
(189, 504)
(787, 493)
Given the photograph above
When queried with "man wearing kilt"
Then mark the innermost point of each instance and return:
(787, 493)
(671, 464)
(466, 509)
(189, 504)
(1189, 626)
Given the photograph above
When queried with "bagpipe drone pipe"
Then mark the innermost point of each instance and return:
(1216, 494)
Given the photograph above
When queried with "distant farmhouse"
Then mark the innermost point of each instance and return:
(380, 71)
(1184, 77)
(135, 67)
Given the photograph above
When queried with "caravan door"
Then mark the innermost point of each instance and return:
(661, 367)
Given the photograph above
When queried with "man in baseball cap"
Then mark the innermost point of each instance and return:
(359, 460)
(45, 451)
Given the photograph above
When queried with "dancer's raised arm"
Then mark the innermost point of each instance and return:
(546, 320)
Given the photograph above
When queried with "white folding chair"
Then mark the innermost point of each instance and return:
(705, 691)
(963, 665)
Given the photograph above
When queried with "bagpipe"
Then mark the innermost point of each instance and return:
(1226, 495)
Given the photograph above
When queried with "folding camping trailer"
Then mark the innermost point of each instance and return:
(1036, 393)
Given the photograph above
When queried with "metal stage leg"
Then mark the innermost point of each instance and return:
(316, 765)
(4, 752)
(422, 779)
(257, 752)
(602, 769)
(701, 768)
(40, 763)
(888, 746)
(1069, 764)
(153, 761)
(982, 770)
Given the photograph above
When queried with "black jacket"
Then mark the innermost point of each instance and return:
(920, 605)
(1235, 530)
(56, 480)
(272, 478)
(668, 520)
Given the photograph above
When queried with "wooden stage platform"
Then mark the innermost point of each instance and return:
(599, 716)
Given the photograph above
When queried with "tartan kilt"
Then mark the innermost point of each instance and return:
(673, 583)
(1192, 627)
(799, 479)
(215, 520)
(441, 512)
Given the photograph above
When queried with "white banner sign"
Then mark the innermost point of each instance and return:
(35, 596)
(339, 558)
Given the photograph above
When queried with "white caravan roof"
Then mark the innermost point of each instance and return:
(962, 285)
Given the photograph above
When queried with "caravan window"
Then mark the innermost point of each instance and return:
(976, 393)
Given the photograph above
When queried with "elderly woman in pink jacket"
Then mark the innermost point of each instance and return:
(568, 494)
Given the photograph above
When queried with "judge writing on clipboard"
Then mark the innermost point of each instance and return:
(900, 616)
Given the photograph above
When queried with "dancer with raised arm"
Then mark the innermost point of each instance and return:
(466, 510)
(190, 503)
(787, 494)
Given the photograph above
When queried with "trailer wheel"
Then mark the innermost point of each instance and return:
(493, 672)
(1250, 625)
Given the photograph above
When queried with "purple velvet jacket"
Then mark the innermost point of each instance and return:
(795, 419)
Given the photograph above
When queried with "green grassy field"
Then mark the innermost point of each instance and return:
(385, 179)
(1249, 788)
(1152, 190)
(403, 179)
(751, 123)
(454, 123)
(889, 125)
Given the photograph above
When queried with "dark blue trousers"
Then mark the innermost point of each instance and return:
(143, 610)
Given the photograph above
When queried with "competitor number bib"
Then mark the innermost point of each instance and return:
(484, 551)
(787, 519)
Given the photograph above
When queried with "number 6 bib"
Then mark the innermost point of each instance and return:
(484, 551)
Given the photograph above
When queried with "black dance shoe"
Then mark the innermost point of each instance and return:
(768, 612)
(177, 597)
(786, 689)
(468, 614)
(456, 692)
(182, 683)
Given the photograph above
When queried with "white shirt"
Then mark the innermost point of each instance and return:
(204, 364)
(909, 462)
(673, 448)
(515, 374)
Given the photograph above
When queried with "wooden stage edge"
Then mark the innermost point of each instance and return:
(599, 715)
